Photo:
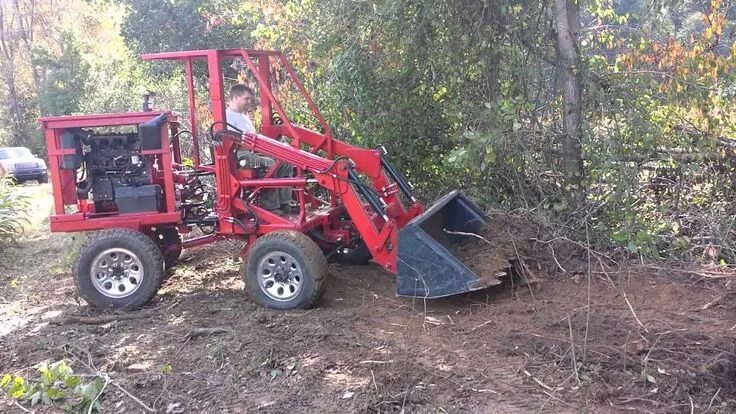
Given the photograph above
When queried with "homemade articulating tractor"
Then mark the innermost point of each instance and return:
(130, 188)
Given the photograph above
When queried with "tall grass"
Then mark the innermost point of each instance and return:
(14, 209)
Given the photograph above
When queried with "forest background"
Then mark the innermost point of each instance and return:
(605, 121)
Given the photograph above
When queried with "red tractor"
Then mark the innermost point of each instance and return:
(123, 176)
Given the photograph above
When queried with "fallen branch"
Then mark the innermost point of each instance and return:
(480, 326)
(97, 373)
(712, 400)
(99, 320)
(572, 348)
(172, 306)
(141, 403)
(482, 390)
(24, 409)
(370, 361)
(196, 332)
(712, 303)
(552, 395)
(97, 397)
(541, 384)
(632, 311)
(462, 233)
(523, 270)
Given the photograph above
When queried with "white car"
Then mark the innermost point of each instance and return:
(21, 164)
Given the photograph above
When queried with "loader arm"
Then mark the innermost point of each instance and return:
(338, 176)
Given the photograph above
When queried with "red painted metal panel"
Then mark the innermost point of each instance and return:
(192, 111)
(97, 120)
(78, 221)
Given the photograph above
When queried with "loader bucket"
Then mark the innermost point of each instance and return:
(428, 266)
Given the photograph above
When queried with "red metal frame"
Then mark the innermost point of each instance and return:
(378, 231)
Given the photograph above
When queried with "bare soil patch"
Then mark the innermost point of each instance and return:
(564, 343)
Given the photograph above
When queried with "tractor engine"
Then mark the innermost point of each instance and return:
(115, 176)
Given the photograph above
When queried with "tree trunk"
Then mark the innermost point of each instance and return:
(7, 47)
(567, 24)
(16, 112)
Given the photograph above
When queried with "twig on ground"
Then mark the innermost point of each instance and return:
(481, 325)
(572, 348)
(645, 361)
(632, 311)
(22, 408)
(181, 348)
(92, 404)
(552, 393)
(712, 400)
(626, 344)
(554, 257)
(588, 293)
(163, 390)
(714, 302)
(371, 361)
(109, 380)
(133, 397)
(540, 383)
(462, 233)
(172, 306)
(99, 320)
(523, 269)
(196, 332)
(483, 390)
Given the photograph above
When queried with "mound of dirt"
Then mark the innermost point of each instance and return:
(499, 246)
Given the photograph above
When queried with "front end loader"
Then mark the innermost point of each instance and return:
(141, 180)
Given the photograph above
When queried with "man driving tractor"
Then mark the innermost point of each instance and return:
(277, 200)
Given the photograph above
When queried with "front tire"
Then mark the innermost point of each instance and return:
(119, 269)
(43, 179)
(285, 270)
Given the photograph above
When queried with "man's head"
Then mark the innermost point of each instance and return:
(241, 98)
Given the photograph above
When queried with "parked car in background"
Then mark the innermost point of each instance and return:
(20, 164)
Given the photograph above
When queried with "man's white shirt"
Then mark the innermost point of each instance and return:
(240, 121)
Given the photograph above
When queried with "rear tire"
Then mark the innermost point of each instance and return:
(119, 269)
(285, 270)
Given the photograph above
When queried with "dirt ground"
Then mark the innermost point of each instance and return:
(636, 338)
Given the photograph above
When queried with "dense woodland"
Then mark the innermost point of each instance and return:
(606, 121)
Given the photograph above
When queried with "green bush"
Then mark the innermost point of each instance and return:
(13, 211)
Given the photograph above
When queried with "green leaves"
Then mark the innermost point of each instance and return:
(165, 369)
(16, 388)
(57, 384)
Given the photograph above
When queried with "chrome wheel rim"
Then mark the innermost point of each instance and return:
(280, 276)
(116, 273)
